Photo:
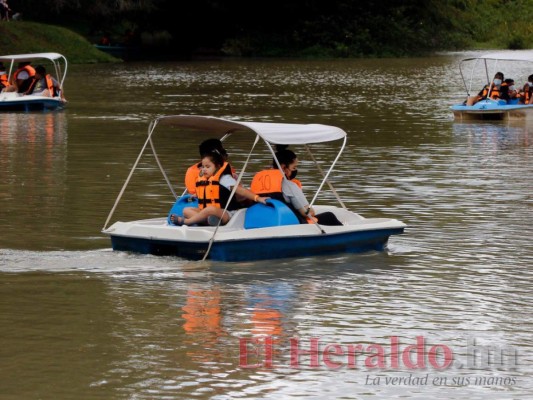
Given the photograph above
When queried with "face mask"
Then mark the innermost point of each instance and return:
(530, 83)
(497, 81)
(293, 174)
(511, 87)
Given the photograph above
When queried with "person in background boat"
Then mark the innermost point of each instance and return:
(508, 91)
(4, 83)
(526, 96)
(285, 187)
(105, 40)
(43, 84)
(213, 189)
(491, 91)
(22, 78)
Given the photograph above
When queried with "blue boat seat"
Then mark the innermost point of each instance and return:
(274, 213)
(182, 202)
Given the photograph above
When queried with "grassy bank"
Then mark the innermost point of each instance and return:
(21, 37)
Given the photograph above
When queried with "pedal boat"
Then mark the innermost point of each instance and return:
(55, 64)
(482, 69)
(260, 231)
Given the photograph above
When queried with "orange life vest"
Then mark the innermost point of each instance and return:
(3, 81)
(25, 84)
(192, 175)
(49, 85)
(268, 182)
(494, 91)
(211, 193)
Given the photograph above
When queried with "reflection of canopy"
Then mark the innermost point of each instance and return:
(269, 131)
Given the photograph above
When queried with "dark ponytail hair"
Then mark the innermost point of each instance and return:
(285, 157)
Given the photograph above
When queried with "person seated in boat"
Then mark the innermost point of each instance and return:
(508, 90)
(43, 84)
(194, 171)
(491, 91)
(213, 189)
(22, 78)
(285, 187)
(4, 83)
(526, 95)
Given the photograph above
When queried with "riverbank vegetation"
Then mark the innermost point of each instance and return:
(295, 28)
(23, 37)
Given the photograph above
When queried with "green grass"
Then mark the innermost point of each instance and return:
(21, 37)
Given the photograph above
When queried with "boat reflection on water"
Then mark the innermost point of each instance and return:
(497, 136)
(33, 162)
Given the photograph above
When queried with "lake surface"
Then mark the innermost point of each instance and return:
(79, 321)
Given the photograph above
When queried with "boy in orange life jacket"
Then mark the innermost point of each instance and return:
(288, 189)
(484, 93)
(213, 190)
(43, 84)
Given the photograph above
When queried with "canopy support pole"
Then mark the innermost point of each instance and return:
(239, 178)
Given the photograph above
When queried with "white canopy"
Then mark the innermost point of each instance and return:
(276, 133)
(507, 55)
(31, 56)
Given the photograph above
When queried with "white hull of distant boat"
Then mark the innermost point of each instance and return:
(488, 109)
(260, 231)
(10, 101)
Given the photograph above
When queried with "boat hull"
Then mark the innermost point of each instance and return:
(490, 110)
(234, 242)
(260, 249)
(30, 104)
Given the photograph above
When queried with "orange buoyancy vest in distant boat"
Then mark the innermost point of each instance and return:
(211, 193)
(49, 85)
(3, 81)
(494, 92)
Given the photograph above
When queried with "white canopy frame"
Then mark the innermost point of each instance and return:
(58, 61)
(497, 57)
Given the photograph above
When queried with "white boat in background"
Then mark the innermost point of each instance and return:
(55, 64)
(260, 231)
(486, 66)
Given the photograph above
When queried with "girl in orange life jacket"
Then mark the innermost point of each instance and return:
(286, 188)
(213, 189)
(43, 84)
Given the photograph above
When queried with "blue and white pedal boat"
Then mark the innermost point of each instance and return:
(260, 231)
(482, 69)
(55, 64)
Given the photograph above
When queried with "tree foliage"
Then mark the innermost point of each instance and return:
(344, 28)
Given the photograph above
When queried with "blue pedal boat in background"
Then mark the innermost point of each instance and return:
(261, 231)
(482, 69)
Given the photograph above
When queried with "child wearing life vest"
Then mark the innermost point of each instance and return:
(213, 190)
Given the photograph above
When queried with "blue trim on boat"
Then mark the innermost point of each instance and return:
(261, 249)
(30, 105)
